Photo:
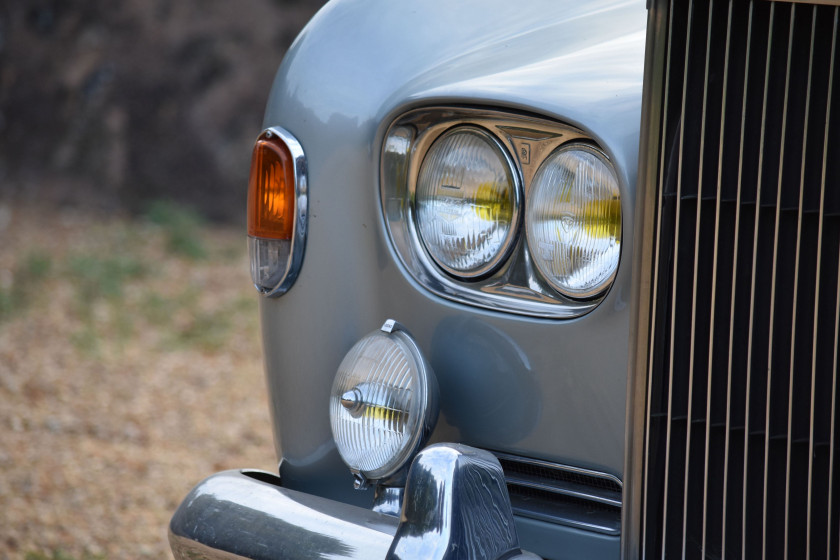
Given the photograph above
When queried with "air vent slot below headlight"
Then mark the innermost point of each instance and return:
(565, 495)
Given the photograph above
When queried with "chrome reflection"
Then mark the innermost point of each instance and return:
(388, 500)
(237, 514)
(456, 507)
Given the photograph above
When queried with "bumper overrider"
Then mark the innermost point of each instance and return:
(455, 506)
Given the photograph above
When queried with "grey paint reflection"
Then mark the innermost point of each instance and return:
(487, 388)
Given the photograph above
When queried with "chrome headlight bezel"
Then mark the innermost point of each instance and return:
(514, 285)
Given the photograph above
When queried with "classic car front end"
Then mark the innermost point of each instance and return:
(482, 338)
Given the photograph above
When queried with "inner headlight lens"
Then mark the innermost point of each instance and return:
(573, 221)
(383, 403)
(467, 202)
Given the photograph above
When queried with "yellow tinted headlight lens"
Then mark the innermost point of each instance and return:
(467, 202)
(573, 221)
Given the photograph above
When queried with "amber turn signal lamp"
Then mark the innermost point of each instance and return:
(277, 201)
(271, 190)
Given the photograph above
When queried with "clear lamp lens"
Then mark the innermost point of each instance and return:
(380, 403)
(467, 202)
(573, 221)
(269, 261)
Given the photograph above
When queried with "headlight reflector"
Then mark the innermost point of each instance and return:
(383, 403)
(467, 202)
(573, 221)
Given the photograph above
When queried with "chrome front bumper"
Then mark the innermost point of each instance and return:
(456, 506)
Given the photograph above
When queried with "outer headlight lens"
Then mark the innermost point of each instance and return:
(467, 202)
(573, 221)
(383, 403)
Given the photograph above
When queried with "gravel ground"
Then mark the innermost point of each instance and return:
(130, 369)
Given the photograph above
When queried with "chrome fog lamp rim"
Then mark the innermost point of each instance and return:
(515, 199)
(376, 397)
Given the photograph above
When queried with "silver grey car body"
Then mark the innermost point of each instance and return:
(697, 400)
(549, 389)
(555, 389)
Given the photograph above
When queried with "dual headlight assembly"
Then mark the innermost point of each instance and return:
(459, 186)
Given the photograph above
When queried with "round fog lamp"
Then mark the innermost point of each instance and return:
(467, 202)
(573, 221)
(383, 403)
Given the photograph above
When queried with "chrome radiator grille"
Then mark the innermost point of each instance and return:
(740, 421)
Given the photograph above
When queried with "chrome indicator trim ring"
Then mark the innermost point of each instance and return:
(297, 248)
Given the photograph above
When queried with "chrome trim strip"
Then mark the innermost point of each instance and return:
(709, 371)
(578, 491)
(299, 228)
(634, 536)
(759, 192)
(837, 296)
(585, 524)
(654, 185)
(516, 286)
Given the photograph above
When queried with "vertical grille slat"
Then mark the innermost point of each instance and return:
(693, 484)
(801, 358)
(783, 205)
(774, 510)
(829, 511)
(732, 505)
(711, 460)
(740, 424)
(672, 426)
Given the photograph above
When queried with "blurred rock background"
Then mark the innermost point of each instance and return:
(109, 104)
(130, 352)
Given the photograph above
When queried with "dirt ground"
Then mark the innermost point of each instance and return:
(130, 369)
